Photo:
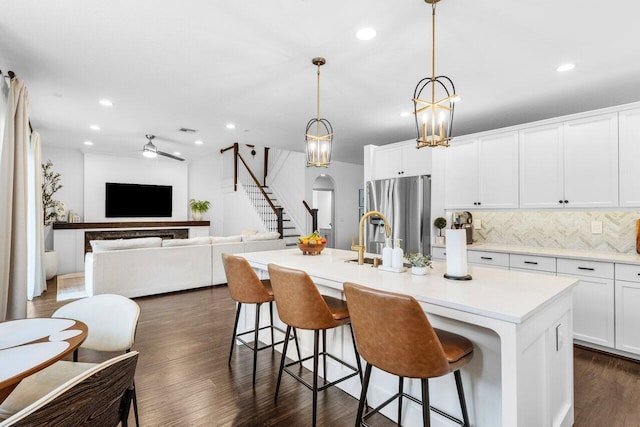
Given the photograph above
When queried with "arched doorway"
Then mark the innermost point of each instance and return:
(324, 201)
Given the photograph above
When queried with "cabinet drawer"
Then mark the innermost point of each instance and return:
(438, 253)
(628, 272)
(586, 268)
(531, 262)
(497, 259)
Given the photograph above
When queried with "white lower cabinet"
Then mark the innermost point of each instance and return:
(593, 300)
(628, 308)
(488, 259)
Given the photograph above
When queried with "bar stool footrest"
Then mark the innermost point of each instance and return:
(250, 344)
(415, 400)
(326, 385)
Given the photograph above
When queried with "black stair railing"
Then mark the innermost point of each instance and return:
(264, 204)
(314, 216)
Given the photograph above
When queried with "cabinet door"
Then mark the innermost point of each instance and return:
(591, 161)
(461, 175)
(387, 163)
(498, 171)
(541, 164)
(593, 311)
(628, 316)
(629, 146)
(416, 161)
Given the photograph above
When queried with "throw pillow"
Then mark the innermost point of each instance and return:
(269, 235)
(226, 239)
(119, 244)
(187, 242)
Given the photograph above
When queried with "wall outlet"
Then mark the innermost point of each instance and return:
(477, 224)
(596, 227)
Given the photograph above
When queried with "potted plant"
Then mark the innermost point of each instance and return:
(440, 223)
(198, 208)
(419, 263)
(51, 210)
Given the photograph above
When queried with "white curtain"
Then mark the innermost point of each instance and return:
(36, 280)
(13, 204)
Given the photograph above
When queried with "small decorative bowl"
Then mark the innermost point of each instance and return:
(308, 249)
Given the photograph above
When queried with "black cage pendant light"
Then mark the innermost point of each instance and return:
(434, 115)
(318, 137)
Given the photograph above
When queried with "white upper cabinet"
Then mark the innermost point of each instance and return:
(400, 160)
(482, 173)
(629, 146)
(541, 167)
(461, 174)
(572, 164)
(591, 161)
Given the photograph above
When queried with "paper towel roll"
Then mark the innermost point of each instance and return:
(456, 252)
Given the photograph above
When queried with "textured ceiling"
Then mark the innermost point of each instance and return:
(201, 64)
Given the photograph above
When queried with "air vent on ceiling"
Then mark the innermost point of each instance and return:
(187, 130)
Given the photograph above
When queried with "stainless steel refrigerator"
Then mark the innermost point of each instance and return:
(406, 202)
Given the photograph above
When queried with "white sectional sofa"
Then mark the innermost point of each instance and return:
(149, 266)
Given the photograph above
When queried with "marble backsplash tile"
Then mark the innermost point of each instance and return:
(567, 230)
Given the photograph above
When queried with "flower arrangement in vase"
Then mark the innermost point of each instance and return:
(51, 209)
(419, 263)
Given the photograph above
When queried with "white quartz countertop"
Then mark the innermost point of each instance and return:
(557, 252)
(500, 294)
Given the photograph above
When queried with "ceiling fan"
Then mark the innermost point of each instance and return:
(151, 151)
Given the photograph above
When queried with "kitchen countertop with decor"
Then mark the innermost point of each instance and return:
(604, 256)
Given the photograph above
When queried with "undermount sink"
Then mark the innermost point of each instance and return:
(366, 261)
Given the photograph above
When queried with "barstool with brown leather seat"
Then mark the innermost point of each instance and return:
(300, 305)
(394, 334)
(246, 288)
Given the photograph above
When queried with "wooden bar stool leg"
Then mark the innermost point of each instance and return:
(400, 391)
(255, 342)
(316, 344)
(284, 356)
(426, 412)
(273, 348)
(363, 395)
(235, 328)
(463, 404)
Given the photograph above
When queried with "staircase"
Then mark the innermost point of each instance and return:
(255, 192)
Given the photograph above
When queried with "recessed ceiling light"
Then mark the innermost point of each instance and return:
(565, 67)
(198, 142)
(404, 114)
(94, 127)
(88, 143)
(230, 126)
(366, 34)
(106, 103)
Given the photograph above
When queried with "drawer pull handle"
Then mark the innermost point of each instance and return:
(531, 262)
(586, 268)
(486, 257)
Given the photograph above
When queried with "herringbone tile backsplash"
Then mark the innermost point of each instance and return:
(567, 230)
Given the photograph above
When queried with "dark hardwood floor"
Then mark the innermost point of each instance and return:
(183, 379)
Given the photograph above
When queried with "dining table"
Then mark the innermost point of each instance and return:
(30, 345)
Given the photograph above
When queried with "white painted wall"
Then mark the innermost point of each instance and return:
(99, 169)
(287, 181)
(205, 183)
(239, 213)
(70, 165)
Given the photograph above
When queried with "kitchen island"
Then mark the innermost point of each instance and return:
(520, 324)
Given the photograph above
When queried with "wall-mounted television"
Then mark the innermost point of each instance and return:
(138, 200)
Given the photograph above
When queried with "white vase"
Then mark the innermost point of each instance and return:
(50, 264)
(419, 271)
(440, 240)
(197, 216)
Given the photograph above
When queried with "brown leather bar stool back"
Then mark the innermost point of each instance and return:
(394, 335)
(300, 305)
(246, 288)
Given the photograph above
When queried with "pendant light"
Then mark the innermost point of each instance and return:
(318, 137)
(434, 116)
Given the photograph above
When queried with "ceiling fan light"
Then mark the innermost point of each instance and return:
(150, 154)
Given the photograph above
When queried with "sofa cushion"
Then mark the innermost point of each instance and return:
(268, 235)
(226, 239)
(187, 242)
(118, 244)
(247, 232)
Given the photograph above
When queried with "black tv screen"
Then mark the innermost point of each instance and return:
(138, 200)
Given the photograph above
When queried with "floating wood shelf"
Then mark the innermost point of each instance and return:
(137, 224)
